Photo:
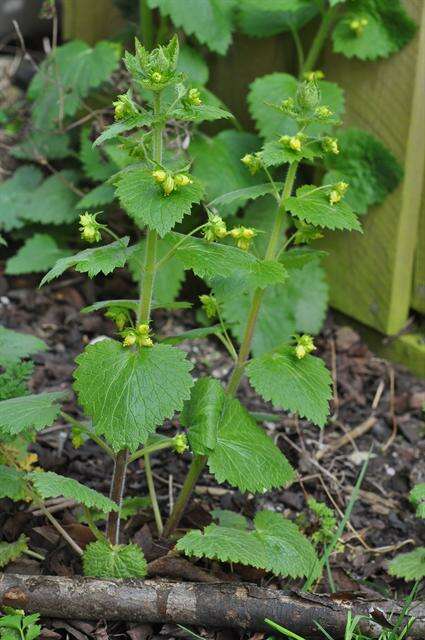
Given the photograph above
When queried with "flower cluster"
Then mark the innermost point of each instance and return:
(140, 336)
(89, 227)
(170, 182)
(304, 346)
(338, 191)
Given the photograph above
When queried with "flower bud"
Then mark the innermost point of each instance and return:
(287, 105)
(159, 175)
(181, 180)
(180, 443)
(311, 76)
(89, 227)
(143, 329)
(300, 351)
(209, 305)
(215, 229)
(145, 342)
(334, 197)
(308, 96)
(357, 25)
(323, 112)
(341, 187)
(194, 97)
(156, 77)
(129, 340)
(168, 185)
(252, 161)
(293, 142)
(330, 145)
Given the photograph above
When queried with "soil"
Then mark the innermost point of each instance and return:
(365, 386)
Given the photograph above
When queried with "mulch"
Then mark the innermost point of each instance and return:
(382, 397)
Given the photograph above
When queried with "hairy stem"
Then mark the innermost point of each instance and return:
(198, 461)
(167, 444)
(146, 26)
(152, 495)
(319, 41)
(117, 492)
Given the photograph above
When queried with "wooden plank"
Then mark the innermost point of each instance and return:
(371, 275)
(90, 20)
(418, 293)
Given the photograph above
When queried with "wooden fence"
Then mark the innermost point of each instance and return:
(377, 278)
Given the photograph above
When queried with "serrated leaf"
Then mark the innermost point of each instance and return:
(240, 196)
(97, 197)
(275, 153)
(51, 485)
(298, 257)
(410, 566)
(301, 386)
(13, 381)
(102, 560)
(217, 163)
(145, 202)
(16, 196)
(93, 261)
(10, 551)
(38, 253)
(143, 119)
(298, 305)
(312, 205)
(417, 498)
(276, 545)
(29, 412)
(53, 202)
(209, 259)
(367, 165)
(12, 483)
(66, 76)
(275, 88)
(94, 165)
(169, 277)
(14, 346)
(133, 305)
(258, 22)
(238, 450)
(40, 145)
(389, 28)
(210, 21)
(276, 5)
(230, 519)
(129, 393)
(201, 113)
(193, 334)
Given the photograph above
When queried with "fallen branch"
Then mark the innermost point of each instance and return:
(240, 606)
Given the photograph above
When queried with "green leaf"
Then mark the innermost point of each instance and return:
(276, 87)
(367, 165)
(301, 386)
(417, 498)
(210, 259)
(240, 196)
(16, 195)
(260, 20)
(93, 261)
(53, 202)
(201, 113)
(389, 28)
(275, 153)
(29, 412)
(230, 519)
(12, 483)
(169, 277)
(51, 485)
(410, 566)
(276, 545)
(145, 202)
(217, 163)
(277, 5)
(92, 161)
(193, 65)
(10, 551)
(68, 75)
(40, 145)
(312, 205)
(133, 305)
(97, 197)
(298, 305)
(193, 334)
(127, 124)
(129, 393)
(210, 21)
(13, 381)
(39, 253)
(239, 451)
(102, 560)
(298, 257)
(14, 346)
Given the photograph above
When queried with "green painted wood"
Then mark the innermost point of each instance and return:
(371, 275)
(418, 294)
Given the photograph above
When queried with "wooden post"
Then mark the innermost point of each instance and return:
(90, 20)
(371, 275)
(418, 298)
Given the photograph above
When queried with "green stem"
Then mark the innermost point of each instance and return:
(152, 495)
(146, 26)
(89, 433)
(61, 530)
(198, 461)
(34, 554)
(117, 492)
(319, 41)
(92, 525)
(152, 449)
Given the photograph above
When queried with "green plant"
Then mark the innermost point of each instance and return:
(15, 625)
(129, 386)
(411, 565)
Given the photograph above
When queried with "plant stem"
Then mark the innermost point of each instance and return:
(152, 495)
(168, 444)
(34, 554)
(92, 525)
(319, 41)
(78, 550)
(146, 27)
(198, 461)
(117, 491)
(89, 432)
